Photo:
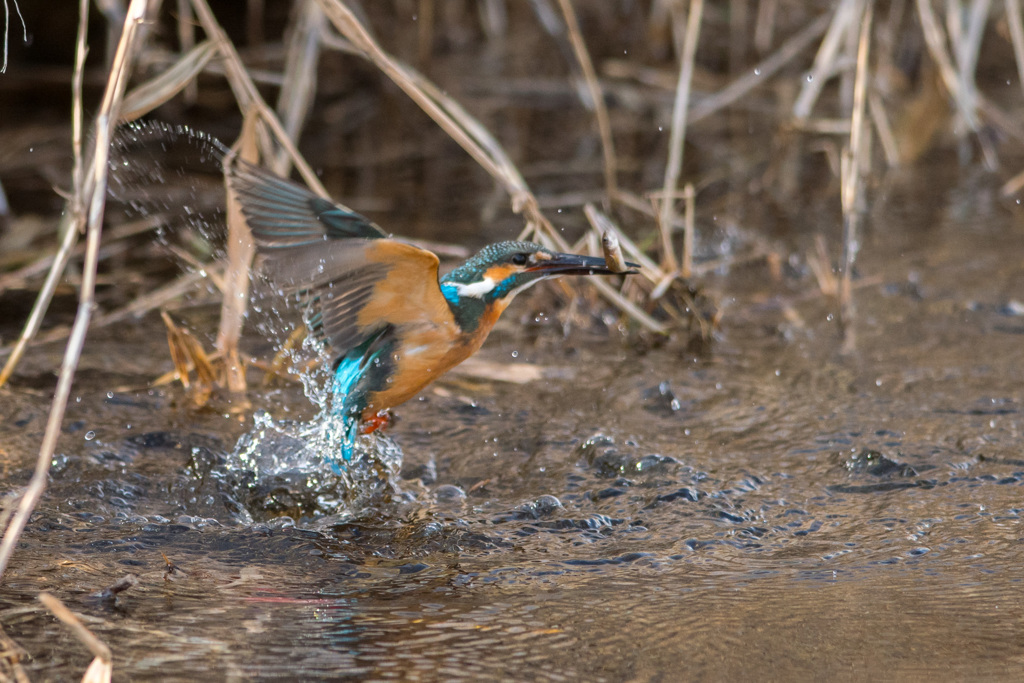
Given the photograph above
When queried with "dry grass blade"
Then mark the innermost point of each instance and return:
(92, 192)
(151, 94)
(677, 137)
(101, 668)
(594, 87)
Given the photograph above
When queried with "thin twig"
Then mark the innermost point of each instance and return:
(677, 138)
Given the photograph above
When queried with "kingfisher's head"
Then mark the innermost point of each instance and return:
(500, 271)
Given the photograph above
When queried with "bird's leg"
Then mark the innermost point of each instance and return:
(381, 421)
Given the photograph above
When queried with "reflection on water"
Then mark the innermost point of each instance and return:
(773, 511)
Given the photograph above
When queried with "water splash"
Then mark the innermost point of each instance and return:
(292, 468)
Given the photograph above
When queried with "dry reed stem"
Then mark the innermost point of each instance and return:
(935, 39)
(249, 98)
(148, 96)
(93, 190)
(101, 668)
(7, 28)
(686, 260)
(69, 226)
(824, 60)
(594, 87)
(240, 251)
(302, 55)
(677, 137)
(187, 40)
(1016, 24)
(761, 72)
(884, 128)
(854, 161)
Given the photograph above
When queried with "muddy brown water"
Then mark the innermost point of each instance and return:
(774, 510)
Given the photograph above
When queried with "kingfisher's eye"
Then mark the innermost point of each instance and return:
(519, 259)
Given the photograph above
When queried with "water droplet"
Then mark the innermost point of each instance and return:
(830, 317)
(810, 78)
(90, 435)
(110, 394)
(757, 72)
(515, 354)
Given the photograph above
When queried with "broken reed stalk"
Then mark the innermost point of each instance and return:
(854, 160)
(92, 194)
(677, 137)
(594, 87)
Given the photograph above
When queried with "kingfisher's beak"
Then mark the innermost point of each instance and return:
(576, 264)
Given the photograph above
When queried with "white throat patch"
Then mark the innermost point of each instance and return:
(477, 290)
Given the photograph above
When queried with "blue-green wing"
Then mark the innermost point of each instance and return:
(282, 214)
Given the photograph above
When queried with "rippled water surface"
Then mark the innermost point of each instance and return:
(773, 510)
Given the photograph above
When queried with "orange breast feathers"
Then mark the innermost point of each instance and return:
(430, 341)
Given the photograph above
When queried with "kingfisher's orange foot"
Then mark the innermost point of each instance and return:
(381, 421)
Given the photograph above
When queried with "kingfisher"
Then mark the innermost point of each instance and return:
(391, 325)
